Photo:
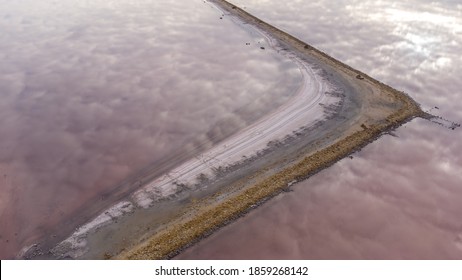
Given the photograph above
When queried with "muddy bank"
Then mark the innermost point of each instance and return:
(381, 109)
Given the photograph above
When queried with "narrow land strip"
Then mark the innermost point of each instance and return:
(383, 109)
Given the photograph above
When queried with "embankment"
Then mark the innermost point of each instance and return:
(383, 109)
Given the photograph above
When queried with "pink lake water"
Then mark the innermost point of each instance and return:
(398, 198)
(95, 92)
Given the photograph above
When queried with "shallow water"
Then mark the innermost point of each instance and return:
(94, 92)
(398, 198)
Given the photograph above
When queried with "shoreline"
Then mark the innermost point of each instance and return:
(301, 120)
(370, 125)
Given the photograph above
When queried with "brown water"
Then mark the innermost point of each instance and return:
(94, 92)
(400, 197)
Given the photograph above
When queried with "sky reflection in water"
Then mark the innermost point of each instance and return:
(94, 91)
(399, 197)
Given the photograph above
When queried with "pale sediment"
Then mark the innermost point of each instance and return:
(382, 109)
